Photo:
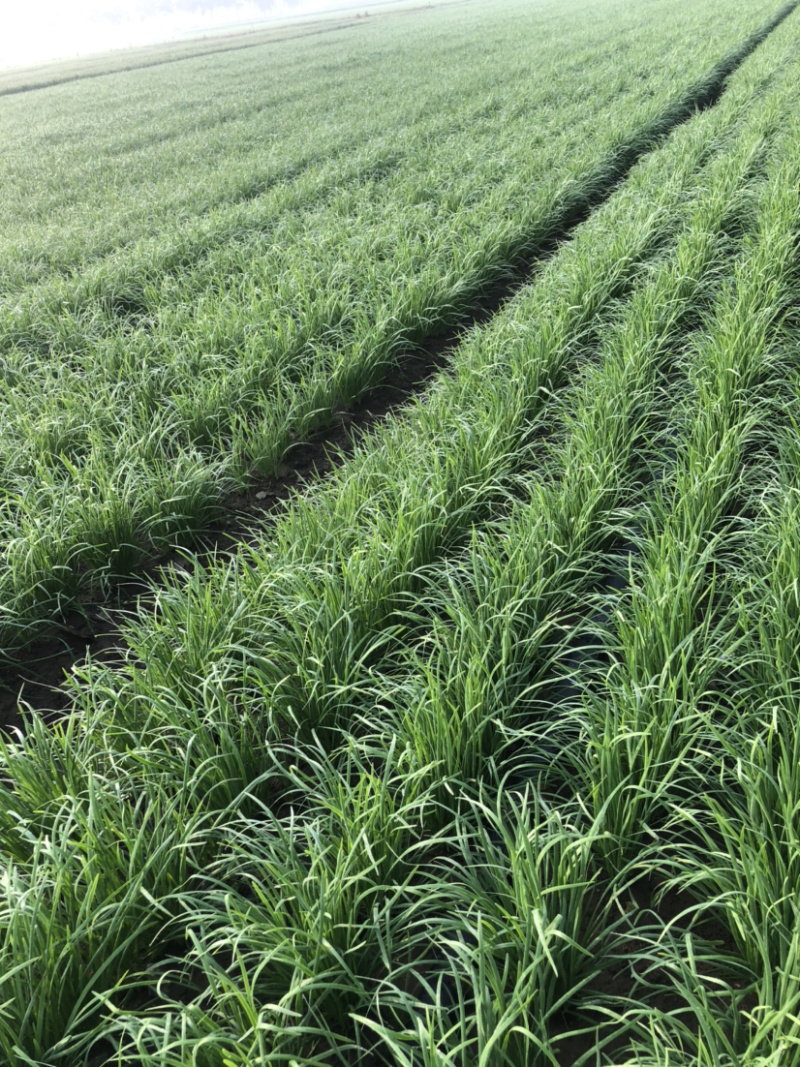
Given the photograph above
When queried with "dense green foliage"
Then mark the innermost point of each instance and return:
(487, 753)
(207, 260)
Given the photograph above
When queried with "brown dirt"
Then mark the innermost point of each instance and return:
(618, 981)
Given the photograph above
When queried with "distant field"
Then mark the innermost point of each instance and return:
(484, 751)
(226, 39)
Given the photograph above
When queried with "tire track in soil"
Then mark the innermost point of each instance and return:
(34, 676)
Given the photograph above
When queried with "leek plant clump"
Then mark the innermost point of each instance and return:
(487, 753)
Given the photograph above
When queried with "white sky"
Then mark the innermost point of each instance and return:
(35, 30)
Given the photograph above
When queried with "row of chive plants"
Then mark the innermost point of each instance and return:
(497, 640)
(131, 408)
(684, 744)
(250, 846)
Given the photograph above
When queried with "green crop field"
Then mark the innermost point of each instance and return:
(483, 749)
